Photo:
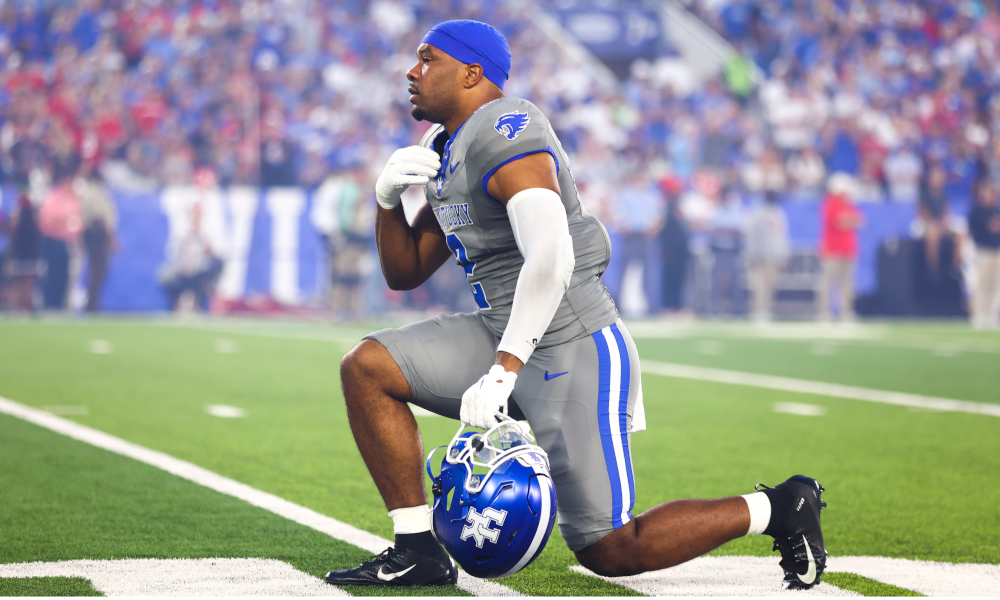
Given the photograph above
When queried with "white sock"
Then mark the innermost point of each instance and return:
(415, 519)
(760, 512)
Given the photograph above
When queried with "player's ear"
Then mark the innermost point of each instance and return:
(473, 74)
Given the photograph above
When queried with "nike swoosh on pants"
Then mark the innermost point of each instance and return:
(548, 377)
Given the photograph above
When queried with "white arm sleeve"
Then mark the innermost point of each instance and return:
(538, 219)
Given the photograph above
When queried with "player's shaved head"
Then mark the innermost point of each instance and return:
(445, 90)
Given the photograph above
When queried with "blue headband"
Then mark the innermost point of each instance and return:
(473, 42)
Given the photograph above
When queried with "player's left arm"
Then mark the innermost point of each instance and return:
(536, 170)
(529, 189)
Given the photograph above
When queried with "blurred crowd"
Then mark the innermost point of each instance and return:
(901, 95)
(898, 96)
(885, 91)
(260, 92)
(281, 93)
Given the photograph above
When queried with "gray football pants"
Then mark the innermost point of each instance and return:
(579, 397)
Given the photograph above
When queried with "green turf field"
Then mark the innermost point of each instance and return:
(901, 482)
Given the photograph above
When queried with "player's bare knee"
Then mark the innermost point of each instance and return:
(603, 562)
(361, 362)
(612, 555)
(369, 366)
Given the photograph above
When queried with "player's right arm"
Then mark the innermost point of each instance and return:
(409, 254)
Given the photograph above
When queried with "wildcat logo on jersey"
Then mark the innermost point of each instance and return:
(511, 124)
(453, 215)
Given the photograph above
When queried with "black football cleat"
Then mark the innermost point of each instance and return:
(400, 568)
(803, 553)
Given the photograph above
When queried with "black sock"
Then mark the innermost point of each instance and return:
(422, 542)
(781, 505)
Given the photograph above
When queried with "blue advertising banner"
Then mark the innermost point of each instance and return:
(265, 237)
(271, 242)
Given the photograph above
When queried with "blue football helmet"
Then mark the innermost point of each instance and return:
(493, 523)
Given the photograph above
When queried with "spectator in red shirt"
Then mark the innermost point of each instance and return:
(148, 112)
(838, 249)
(61, 223)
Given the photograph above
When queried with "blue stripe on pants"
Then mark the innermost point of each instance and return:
(623, 414)
(604, 419)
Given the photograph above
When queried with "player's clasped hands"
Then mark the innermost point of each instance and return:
(487, 397)
(413, 165)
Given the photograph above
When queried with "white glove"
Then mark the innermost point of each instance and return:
(487, 397)
(407, 166)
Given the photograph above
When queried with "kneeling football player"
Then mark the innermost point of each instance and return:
(546, 345)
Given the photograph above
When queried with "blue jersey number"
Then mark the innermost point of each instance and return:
(458, 248)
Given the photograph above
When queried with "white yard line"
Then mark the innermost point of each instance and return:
(935, 579)
(717, 576)
(761, 576)
(230, 487)
(805, 386)
(221, 577)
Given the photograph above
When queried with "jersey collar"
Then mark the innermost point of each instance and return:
(442, 176)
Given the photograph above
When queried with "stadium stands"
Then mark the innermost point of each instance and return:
(270, 93)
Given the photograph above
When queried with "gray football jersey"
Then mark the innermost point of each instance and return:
(478, 229)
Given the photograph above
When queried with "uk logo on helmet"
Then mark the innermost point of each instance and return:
(511, 124)
(479, 525)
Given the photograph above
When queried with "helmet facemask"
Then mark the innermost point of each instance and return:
(488, 450)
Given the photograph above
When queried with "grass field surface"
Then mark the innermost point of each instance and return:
(901, 482)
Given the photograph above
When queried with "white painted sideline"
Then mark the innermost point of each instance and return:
(230, 487)
(761, 576)
(935, 579)
(221, 577)
(717, 576)
(805, 386)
